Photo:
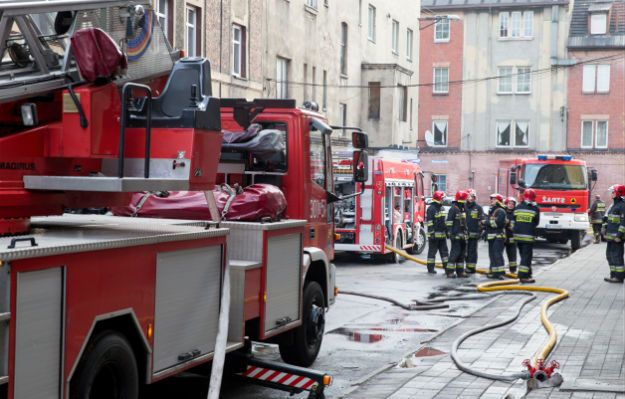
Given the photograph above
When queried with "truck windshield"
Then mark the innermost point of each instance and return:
(555, 177)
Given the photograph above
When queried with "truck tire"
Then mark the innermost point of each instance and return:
(107, 370)
(307, 338)
(576, 240)
(420, 242)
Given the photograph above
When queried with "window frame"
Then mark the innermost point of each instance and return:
(607, 133)
(242, 65)
(519, 74)
(439, 23)
(438, 181)
(594, 136)
(513, 124)
(372, 102)
(395, 37)
(282, 85)
(166, 15)
(516, 25)
(402, 115)
(312, 4)
(434, 121)
(343, 48)
(196, 27)
(510, 76)
(595, 68)
(434, 83)
(604, 24)
(371, 24)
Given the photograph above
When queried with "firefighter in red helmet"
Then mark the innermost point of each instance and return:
(436, 232)
(457, 227)
(495, 235)
(510, 204)
(615, 235)
(526, 218)
(475, 214)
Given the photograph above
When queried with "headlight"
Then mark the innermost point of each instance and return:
(582, 217)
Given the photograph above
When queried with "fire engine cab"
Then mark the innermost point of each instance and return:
(561, 185)
(390, 211)
(95, 107)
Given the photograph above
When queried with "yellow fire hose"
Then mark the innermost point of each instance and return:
(512, 285)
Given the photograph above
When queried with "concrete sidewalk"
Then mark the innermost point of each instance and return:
(591, 343)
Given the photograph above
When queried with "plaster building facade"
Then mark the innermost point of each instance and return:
(596, 89)
(496, 87)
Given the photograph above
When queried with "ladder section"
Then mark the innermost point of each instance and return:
(5, 318)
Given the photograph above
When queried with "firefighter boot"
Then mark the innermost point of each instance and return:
(613, 280)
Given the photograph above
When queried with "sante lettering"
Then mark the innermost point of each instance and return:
(553, 200)
(17, 165)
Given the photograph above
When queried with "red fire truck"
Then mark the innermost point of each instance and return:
(96, 306)
(390, 211)
(561, 185)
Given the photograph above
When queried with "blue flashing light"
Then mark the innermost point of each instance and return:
(542, 157)
(565, 157)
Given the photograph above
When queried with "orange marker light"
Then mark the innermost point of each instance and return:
(336, 291)
(150, 331)
(327, 380)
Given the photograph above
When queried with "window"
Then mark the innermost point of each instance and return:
(523, 80)
(403, 103)
(314, 83)
(516, 25)
(371, 30)
(598, 23)
(409, 36)
(192, 44)
(503, 24)
(441, 80)
(515, 29)
(504, 80)
(597, 130)
(439, 127)
(441, 30)
(282, 78)
(343, 111)
(512, 133)
(441, 182)
(411, 107)
(318, 156)
(311, 3)
(528, 23)
(343, 48)
(325, 90)
(374, 100)
(162, 12)
(395, 37)
(239, 67)
(596, 78)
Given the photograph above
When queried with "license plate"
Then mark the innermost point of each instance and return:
(553, 226)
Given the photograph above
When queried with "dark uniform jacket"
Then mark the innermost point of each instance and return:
(496, 223)
(475, 214)
(597, 212)
(509, 225)
(435, 221)
(615, 221)
(457, 222)
(526, 218)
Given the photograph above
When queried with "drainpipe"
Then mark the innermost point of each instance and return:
(221, 31)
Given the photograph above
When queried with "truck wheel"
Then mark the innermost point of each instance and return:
(308, 337)
(107, 370)
(420, 242)
(576, 240)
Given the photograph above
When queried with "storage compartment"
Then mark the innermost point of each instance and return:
(278, 247)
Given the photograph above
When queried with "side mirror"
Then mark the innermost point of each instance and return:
(360, 140)
(360, 160)
(513, 177)
(593, 175)
(434, 178)
(521, 183)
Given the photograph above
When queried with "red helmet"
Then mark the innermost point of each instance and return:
(529, 195)
(510, 199)
(438, 196)
(461, 196)
(619, 190)
(497, 196)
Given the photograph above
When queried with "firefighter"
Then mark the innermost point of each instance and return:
(457, 228)
(596, 213)
(615, 234)
(495, 235)
(437, 232)
(510, 204)
(526, 218)
(475, 214)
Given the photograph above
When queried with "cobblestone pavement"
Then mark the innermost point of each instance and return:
(590, 349)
